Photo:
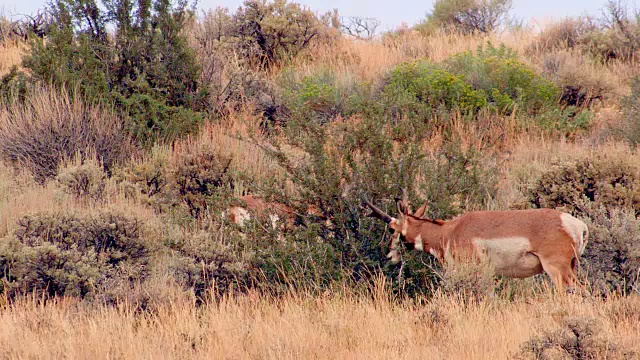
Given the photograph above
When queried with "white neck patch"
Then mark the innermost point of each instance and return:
(418, 245)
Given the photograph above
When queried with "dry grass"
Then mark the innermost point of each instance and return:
(20, 195)
(531, 156)
(370, 60)
(303, 327)
(239, 139)
(10, 55)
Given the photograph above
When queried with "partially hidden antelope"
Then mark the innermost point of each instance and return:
(517, 243)
(256, 207)
(277, 213)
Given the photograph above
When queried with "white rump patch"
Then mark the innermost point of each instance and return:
(510, 256)
(577, 230)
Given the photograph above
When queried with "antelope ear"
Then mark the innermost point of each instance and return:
(420, 212)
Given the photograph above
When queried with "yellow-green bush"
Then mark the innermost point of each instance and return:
(504, 80)
(426, 88)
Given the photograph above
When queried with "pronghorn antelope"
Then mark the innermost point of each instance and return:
(276, 213)
(517, 243)
(260, 209)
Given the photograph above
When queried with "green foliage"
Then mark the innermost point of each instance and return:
(506, 82)
(304, 262)
(71, 254)
(146, 69)
(569, 120)
(13, 86)
(493, 79)
(148, 179)
(415, 89)
(153, 115)
(455, 181)
(466, 16)
(349, 161)
(321, 97)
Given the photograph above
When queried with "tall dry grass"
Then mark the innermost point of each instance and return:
(302, 327)
(10, 55)
(369, 60)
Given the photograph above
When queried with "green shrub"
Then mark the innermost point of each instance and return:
(146, 69)
(321, 97)
(492, 79)
(568, 120)
(13, 86)
(466, 16)
(455, 181)
(417, 88)
(72, 255)
(151, 117)
(148, 179)
(349, 161)
(505, 81)
(303, 261)
(52, 127)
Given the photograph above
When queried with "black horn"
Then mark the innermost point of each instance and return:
(377, 213)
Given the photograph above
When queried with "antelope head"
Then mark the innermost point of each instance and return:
(398, 224)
